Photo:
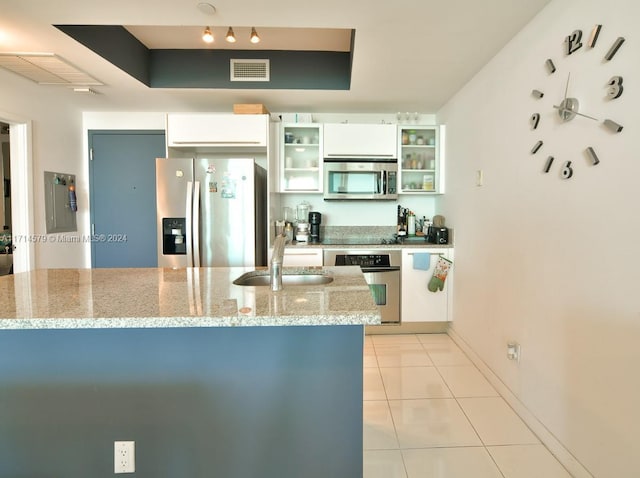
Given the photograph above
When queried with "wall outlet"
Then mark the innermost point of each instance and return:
(124, 457)
(513, 351)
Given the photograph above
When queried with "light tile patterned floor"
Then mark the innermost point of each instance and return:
(429, 413)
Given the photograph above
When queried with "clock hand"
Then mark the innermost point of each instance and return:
(566, 88)
(562, 108)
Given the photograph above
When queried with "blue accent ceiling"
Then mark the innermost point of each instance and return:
(209, 68)
(115, 44)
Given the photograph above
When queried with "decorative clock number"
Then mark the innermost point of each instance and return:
(574, 42)
(535, 119)
(569, 107)
(616, 87)
(567, 172)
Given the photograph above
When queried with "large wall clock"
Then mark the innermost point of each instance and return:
(567, 108)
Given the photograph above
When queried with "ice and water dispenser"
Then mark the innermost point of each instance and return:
(174, 235)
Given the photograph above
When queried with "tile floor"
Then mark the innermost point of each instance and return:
(429, 413)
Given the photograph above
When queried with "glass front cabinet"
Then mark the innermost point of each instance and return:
(301, 158)
(419, 159)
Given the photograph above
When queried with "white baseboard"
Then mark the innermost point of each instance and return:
(408, 328)
(558, 450)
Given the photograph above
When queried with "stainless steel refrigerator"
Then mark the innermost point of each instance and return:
(211, 212)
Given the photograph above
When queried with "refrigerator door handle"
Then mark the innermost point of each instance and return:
(189, 225)
(195, 218)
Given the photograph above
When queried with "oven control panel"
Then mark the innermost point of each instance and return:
(363, 257)
(363, 260)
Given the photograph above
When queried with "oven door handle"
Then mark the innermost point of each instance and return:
(369, 270)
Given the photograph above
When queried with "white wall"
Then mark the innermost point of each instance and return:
(552, 263)
(56, 145)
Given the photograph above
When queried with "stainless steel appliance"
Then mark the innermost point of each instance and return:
(211, 212)
(381, 269)
(360, 179)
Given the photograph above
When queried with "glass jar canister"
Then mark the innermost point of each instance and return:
(405, 137)
(412, 137)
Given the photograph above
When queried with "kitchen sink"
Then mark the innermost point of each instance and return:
(260, 278)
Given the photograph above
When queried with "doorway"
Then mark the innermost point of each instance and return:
(21, 167)
(6, 243)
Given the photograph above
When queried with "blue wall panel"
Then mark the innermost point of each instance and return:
(232, 402)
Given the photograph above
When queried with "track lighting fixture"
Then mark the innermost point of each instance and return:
(254, 36)
(231, 38)
(207, 36)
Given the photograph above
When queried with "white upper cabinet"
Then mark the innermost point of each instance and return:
(301, 158)
(344, 140)
(213, 130)
(420, 159)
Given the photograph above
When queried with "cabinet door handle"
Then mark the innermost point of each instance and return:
(359, 155)
(216, 142)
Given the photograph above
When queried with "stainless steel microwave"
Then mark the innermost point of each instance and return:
(360, 178)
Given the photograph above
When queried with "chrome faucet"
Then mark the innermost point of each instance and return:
(275, 271)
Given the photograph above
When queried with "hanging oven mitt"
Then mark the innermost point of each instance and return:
(439, 274)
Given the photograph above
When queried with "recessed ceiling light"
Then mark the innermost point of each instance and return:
(206, 8)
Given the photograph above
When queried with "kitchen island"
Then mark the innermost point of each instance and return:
(208, 378)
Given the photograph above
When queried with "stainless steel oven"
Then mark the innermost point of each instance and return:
(360, 178)
(381, 269)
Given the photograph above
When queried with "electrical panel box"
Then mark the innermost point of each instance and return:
(60, 202)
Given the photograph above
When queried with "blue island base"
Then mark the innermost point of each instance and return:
(268, 402)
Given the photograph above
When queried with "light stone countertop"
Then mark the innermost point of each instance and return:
(191, 297)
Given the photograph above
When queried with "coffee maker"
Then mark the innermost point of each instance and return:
(315, 218)
(437, 233)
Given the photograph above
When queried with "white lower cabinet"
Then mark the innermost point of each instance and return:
(300, 257)
(418, 303)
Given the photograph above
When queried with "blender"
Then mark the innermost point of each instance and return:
(302, 228)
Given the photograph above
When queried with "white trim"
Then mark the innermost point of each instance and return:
(22, 215)
(557, 449)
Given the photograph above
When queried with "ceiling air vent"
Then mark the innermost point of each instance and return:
(45, 69)
(249, 70)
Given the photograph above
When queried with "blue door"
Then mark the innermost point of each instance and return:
(123, 197)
